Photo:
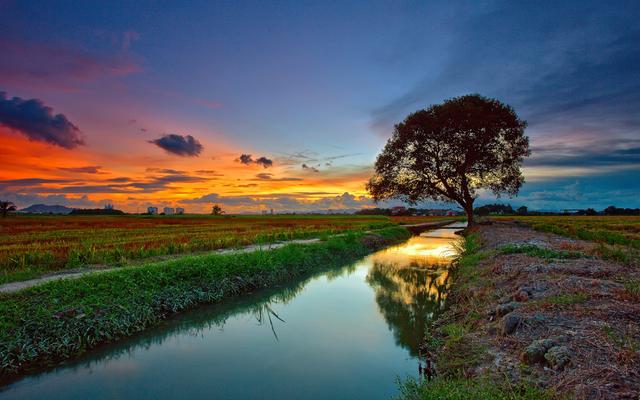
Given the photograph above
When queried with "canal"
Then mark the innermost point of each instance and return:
(343, 334)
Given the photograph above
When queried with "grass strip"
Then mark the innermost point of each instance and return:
(541, 252)
(464, 389)
(45, 324)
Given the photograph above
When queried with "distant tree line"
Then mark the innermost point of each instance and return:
(500, 209)
(96, 211)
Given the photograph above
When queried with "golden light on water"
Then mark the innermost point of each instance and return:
(422, 250)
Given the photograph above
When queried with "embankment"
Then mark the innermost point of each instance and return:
(534, 315)
(48, 323)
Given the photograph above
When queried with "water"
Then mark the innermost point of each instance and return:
(343, 334)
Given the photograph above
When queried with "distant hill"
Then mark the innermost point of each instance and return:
(46, 209)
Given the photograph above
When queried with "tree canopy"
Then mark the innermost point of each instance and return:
(450, 151)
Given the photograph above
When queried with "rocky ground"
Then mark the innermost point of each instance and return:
(552, 313)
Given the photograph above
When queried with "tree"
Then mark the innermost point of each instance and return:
(523, 210)
(6, 207)
(217, 210)
(450, 151)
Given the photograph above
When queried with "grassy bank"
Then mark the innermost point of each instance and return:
(456, 345)
(45, 324)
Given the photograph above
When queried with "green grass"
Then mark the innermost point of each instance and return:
(465, 389)
(44, 324)
(565, 299)
(541, 252)
(632, 287)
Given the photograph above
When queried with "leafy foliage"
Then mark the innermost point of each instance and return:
(450, 151)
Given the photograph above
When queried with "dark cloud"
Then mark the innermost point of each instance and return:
(112, 185)
(208, 172)
(265, 162)
(38, 123)
(29, 182)
(264, 176)
(120, 179)
(25, 199)
(89, 169)
(166, 171)
(269, 177)
(567, 69)
(184, 146)
(594, 154)
(247, 159)
(310, 168)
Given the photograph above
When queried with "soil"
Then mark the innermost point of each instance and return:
(569, 325)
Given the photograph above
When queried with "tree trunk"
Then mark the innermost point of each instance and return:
(469, 210)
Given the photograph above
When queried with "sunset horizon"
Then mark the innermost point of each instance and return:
(260, 106)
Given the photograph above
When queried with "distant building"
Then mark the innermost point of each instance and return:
(179, 210)
(152, 210)
(169, 211)
(108, 206)
(398, 210)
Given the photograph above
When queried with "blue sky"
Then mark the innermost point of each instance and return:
(320, 84)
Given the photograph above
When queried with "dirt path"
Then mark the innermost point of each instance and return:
(95, 269)
(553, 314)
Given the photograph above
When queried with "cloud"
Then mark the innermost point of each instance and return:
(38, 123)
(578, 74)
(29, 182)
(292, 202)
(45, 66)
(269, 177)
(166, 171)
(113, 185)
(184, 146)
(247, 159)
(24, 200)
(89, 169)
(264, 161)
(310, 168)
(210, 172)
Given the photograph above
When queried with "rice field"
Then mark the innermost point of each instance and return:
(33, 245)
(618, 236)
(613, 230)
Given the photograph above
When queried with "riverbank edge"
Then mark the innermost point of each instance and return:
(454, 345)
(47, 324)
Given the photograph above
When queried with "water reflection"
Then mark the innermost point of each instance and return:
(410, 283)
(339, 341)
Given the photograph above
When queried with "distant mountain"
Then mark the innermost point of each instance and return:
(46, 209)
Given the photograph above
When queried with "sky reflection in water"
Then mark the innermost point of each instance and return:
(346, 333)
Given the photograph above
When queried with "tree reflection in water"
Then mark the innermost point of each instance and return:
(408, 296)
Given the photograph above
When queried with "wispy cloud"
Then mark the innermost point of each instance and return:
(89, 169)
(46, 66)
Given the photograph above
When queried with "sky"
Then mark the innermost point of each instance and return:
(285, 105)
